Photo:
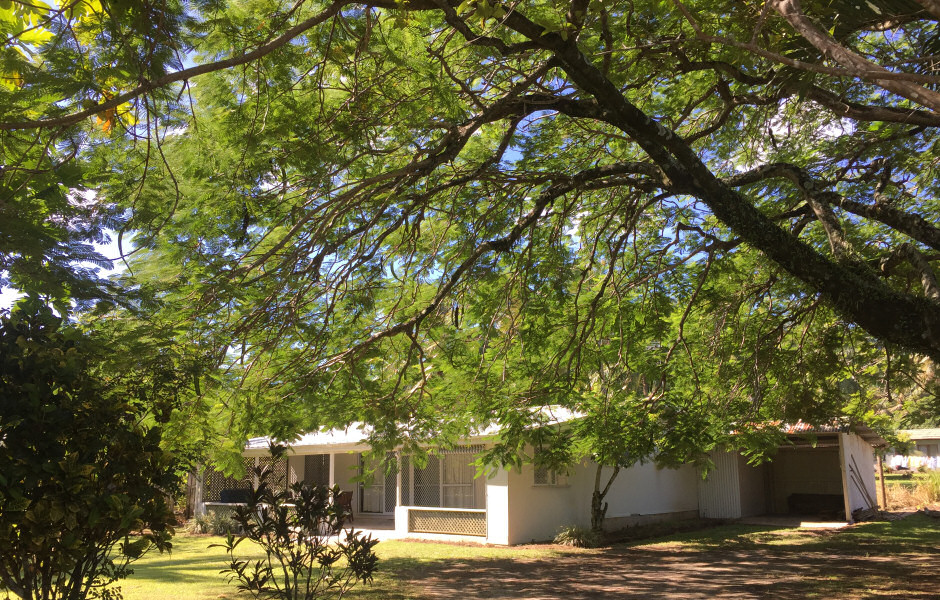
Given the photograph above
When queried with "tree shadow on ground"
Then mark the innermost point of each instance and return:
(849, 564)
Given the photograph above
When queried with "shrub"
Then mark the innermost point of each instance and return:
(83, 484)
(579, 537)
(294, 527)
(214, 523)
(923, 490)
(200, 524)
(931, 487)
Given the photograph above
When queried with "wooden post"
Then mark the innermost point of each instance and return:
(881, 476)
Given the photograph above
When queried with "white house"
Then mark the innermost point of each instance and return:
(924, 454)
(446, 499)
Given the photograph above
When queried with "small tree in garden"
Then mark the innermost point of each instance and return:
(83, 483)
(295, 527)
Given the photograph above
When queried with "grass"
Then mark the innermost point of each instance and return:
(911, 491)
(191, 572)
(911, 534)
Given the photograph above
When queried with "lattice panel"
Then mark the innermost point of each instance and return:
(427, 484)
(447, 521)
(405, 465)
(317, 469)
(277, 477)
(215, 482)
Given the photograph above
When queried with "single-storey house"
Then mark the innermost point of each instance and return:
(924, 452)
(446, 499)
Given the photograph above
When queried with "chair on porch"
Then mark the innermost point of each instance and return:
(344, 501)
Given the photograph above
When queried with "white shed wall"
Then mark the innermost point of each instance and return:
(854, 447)
(719, 494)
(649, 490)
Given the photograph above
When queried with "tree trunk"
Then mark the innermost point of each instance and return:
(598, 506)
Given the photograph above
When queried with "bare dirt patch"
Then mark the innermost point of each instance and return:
(764, 564)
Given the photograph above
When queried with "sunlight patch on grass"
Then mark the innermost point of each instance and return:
(190, 572)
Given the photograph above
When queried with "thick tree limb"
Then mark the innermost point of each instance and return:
(920, 264)
(879, 73)
(863, 112)
(842, 107)
(830, 223)
(914, 226)
(858, 294)
(864, 68)
(931, 6)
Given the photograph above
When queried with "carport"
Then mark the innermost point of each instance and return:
(820, 471)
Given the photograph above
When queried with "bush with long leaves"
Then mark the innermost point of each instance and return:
(309, 553)
(84, 481)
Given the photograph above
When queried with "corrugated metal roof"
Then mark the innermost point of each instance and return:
(354, 437)
(803, 427)
(841, 425)
(922, 434)
(835, 426)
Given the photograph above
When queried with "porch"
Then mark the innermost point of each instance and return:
(439, 497)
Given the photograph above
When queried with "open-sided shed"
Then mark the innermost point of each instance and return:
(823, 471)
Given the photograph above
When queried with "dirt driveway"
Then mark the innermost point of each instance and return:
(818, 564)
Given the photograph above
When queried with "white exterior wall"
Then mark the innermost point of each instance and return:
(497, 508)
(638, 494)
(719, 493)
(645, 489)
(536, 512)
(858, 460)
(295, 468)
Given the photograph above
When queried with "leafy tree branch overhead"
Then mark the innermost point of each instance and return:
(368, 196)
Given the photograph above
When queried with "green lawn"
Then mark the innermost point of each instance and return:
(192, 570)
(897, 559)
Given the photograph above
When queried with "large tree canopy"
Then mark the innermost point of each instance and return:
(670, 215)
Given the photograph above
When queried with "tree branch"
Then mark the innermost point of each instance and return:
(150, 85)
(790, 10)
(914, 226)
(857, 293)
